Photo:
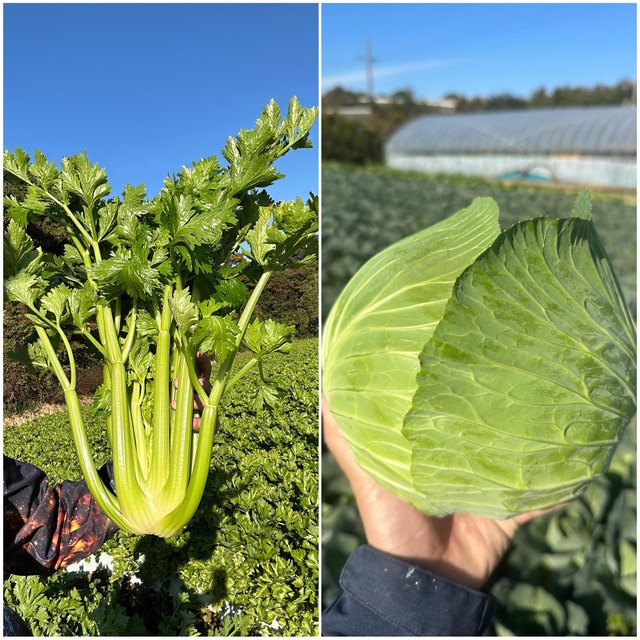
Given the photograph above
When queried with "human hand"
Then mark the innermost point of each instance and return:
(461, 547)
(204, 369)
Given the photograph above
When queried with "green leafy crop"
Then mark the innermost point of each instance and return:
(480, 371)
(148, 283)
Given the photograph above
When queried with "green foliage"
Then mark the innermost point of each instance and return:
(621, 93)
(70, 606)
(350, 141)
(152, 275)
(574, 571)
(291, 297)
(24, 388)
(46, 233)
(247, 564)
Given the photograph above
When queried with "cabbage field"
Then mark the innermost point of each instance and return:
(572, 572)
(365, 211)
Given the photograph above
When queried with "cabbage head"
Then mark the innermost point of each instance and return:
(484, 371)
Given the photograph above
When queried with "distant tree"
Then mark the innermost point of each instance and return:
(506, 101)
(627, 92)
(339, 97)
(564, 96)
(404, 96)
(539, 98)
(291, 297)
(350, 141)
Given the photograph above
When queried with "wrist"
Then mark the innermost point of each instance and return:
(440, 566)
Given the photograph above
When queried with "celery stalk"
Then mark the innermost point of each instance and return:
(148, 283)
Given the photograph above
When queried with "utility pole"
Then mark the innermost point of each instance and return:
(367, 135)
(368, 64)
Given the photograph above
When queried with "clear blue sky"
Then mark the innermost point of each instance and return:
(478, 49)
(147, 88)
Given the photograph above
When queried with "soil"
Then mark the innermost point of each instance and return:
(89, 379)
(37, 412)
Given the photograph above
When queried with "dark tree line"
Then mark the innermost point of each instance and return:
(564, 96)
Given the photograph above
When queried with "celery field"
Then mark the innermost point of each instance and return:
(572, 571)
(246, 565)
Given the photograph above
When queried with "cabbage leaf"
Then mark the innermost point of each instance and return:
(483, 371)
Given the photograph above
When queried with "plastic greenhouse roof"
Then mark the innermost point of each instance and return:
(589, 130)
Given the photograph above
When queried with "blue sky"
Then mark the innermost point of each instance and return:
(147, 88)
(478, 49)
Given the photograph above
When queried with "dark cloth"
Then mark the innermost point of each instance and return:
(384, 596)
(47, 527)
(13, 624)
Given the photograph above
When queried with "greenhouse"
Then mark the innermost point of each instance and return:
(580, 145)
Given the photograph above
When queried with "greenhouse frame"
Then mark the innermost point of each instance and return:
(579, 145)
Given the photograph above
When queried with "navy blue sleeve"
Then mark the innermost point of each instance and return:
(384, 596)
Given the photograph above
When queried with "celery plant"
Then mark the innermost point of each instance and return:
(147, 283)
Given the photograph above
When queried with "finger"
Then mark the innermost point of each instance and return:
(340, 448)
(205, 372)
(530, 515)
(511, 525)
(196, 424)
(329, 426)
(197, 405)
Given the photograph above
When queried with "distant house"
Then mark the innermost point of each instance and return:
(581, 145)
(351, 111)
